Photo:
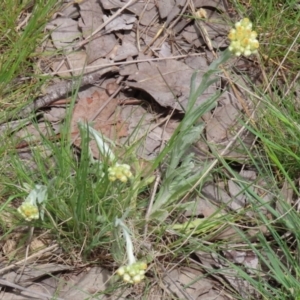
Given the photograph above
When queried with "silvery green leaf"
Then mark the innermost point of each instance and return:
(32, 197)
(103, 147)
(41, 193)
(181, 145)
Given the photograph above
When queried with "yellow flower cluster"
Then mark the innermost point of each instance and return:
(134, 273)
(119, 171)
(243, 39)
(29, 211)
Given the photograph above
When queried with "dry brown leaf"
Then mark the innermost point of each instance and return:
(211, 261)
(107, 122)
(100, 47)
(219, 126)
(87, 284)
(217, 194)
(91, 16)
(165, 50)
(165, 7)
(191, 35)
(168, 82)
(9, 247)
(287, 194)
(222, 127)
(236, 192)
(121, 22)
(76, 60)
(216, 26)
(209, 3)
(170, 9)
(34, 132)
(246, 258)
(60, 65)
(142, 130)
(127, 49)
(66, 32)
(203, 207)
(36, 245)
(108, 4)
(34, 272)
(145, 11)
(70, 11)
(55, 114)
(187, 281)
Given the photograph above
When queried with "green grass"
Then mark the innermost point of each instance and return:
(83, 204)
(19, 76)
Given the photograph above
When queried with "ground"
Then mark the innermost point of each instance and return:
(149, 149)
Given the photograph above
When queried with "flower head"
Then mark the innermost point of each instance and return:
(133, 273)
(243, 38)
(29, 211)
(120, 172)
(34, 204)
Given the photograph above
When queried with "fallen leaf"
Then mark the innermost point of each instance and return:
(70, 11)
(100, 47)
(187, 281)
(143, 131)
(145, 11)
(89, 283)
(91, 16)
(107, 122)
(165, 7)
(55, 114)
(77, 60)
(191, 35)
(246, 258)
(121, 22)
(34, 132)
(33, 272)
(65, 34)
(237, 193)
(127, 49)
(209, 3)
(223, 126)
(217, 194)
(168, 82)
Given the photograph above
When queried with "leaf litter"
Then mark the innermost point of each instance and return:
(146, 53)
